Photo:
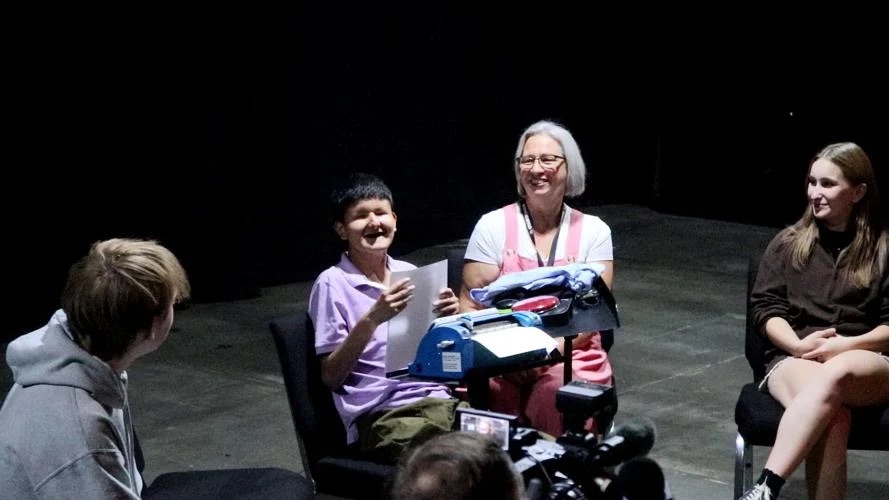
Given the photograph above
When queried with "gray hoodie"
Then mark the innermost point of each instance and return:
(65, 429)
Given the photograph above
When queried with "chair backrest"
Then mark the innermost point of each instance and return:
(311, 403)
(755, 343)
(455, 268)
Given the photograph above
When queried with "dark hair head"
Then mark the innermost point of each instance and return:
(460, 466)
(357, 187)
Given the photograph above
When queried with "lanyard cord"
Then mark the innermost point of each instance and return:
(528, 224)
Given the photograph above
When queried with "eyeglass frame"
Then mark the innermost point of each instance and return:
(538, 159)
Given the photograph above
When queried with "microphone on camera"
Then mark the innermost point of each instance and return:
(643, 479)
(629, 440)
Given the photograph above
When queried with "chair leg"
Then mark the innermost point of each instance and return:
(304, 458)
(743, 466)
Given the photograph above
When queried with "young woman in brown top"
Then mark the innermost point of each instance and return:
(822, 298)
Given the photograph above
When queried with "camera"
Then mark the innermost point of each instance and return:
(498, 426)
(578, 401)
(580, 464)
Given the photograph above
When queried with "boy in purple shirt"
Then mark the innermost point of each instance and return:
(350, 305)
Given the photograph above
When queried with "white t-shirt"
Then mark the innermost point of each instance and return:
(489, 239)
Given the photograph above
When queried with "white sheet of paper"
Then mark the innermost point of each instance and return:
(505, 342)
(408, 327)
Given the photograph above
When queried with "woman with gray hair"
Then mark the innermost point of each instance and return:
(541, 230)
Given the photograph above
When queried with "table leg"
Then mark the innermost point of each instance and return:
(479, 392)
(568, 373)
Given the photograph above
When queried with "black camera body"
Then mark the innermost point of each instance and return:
(573, 465)
(578, 464)
(579, 400)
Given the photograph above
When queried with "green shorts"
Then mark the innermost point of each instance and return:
(385, 435)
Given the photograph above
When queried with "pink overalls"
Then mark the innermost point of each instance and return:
(535, 401)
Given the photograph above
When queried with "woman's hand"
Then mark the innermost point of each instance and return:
(813, 341)
(828, 348)
(391, 301)
(447, 303)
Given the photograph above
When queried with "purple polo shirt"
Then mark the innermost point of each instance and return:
(340, 297)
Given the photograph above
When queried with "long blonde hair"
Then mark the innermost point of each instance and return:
(866, 256)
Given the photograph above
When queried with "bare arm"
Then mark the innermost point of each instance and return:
(874, 340)
(608, 273)
(337, 365)
(782, 336)
(475, 275)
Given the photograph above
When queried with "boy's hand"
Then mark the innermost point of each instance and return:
(447, 303)
(391, 301)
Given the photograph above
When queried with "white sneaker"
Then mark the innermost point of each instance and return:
(758, 492)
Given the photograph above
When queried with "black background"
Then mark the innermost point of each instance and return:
(218, 129)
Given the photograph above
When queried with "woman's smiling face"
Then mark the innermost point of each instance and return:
(831, 195)
(539, 180)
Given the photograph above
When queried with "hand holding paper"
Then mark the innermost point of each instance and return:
(392, 301)
(447, 304)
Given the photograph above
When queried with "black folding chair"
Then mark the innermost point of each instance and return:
(335, 468)
(757, 413)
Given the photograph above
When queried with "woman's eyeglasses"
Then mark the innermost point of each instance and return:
(549, 163)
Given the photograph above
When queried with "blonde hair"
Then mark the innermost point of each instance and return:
(117, 290)
(866, 256)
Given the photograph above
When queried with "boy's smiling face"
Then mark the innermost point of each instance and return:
(368, 226)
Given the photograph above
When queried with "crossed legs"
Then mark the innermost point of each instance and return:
(816, 422)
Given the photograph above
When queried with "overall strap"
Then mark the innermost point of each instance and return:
(511, 213)
(574, 230)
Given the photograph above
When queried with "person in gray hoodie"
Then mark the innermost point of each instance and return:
(65, 426)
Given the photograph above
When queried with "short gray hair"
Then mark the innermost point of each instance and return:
(574, 164)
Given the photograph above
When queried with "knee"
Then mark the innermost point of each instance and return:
(502, 388)
(838, 378)
(841, 421)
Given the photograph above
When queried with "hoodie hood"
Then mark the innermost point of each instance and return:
(49, 356)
